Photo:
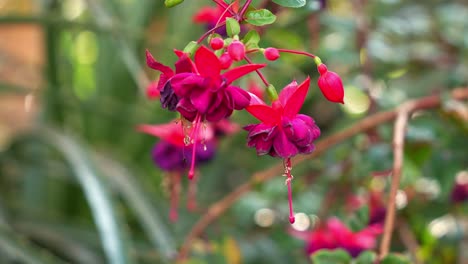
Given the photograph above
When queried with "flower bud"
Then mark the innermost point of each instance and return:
(236, 50)
(271, 54)
(217, 43)
(225, 61)
(330, 84)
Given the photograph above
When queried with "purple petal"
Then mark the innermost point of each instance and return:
(201, 100)
(218, 113)
(186, 109)
(184, 83)
(283, 147)
(240, 98)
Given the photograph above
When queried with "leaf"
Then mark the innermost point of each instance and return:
(324, 256)
(172, 3)
(360, 219)
(395, 259)
(366, 257)
(96, 193)
(232, 27)
(132, 193)
(251, 39)
(291, 3)
(260, 17)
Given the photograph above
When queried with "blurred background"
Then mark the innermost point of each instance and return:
(77, 182)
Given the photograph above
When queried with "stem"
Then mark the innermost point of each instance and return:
(224, 6)
(260, 74)
(209, 32)
(243, 10)
(287, 170)
(175, 193)
(218, 208)
(297, 52)
(398, 144)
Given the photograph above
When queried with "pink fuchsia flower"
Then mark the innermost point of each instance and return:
(167, 97)
(330, 84)
(459, 192)
(152, 91)
(283, 132)
(172, 154)
(208, 94)
(335, 235)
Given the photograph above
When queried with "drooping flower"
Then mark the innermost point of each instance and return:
(459, 192)
(174, 156)
(167, 97)
(335, 235)
(283, 132)
(330, 84)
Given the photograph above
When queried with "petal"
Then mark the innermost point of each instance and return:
(206, 14)
(296, 100)
(184, 64)
(283, 147)
(184, 83)
(240, 98)
(207, 63)
(240, 71)
(287, 91)
(218, 114)
(152, 63)
(186, 109)
(201, 99)
(169, 132)
(264, 113)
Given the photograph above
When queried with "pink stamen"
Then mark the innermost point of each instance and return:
(287, 170)
(175, 193)
(192, 195)
(194, 138)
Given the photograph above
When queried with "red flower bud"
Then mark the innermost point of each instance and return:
(330, 84)
(217, 43)
(271, 54)
(236, 50)
(225, 61)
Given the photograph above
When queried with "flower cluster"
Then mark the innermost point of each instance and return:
(201, 89)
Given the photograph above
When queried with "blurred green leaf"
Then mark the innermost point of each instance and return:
(260, 17)
(99, 198)
(395, 259)
(366, 257)
(291, 3)
(325, 256)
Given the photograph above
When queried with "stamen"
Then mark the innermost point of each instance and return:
(194, 137)
(287, 171)
(192, 195)
(175, 193)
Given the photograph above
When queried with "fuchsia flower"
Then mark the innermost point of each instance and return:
(168, 99)
(459, 192)
(335, 235)
(330, 84)
(283, 132)
(212, 16)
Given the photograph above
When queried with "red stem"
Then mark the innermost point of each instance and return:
(209, 32)
(260, 74)
(287, 170)
(297, 52)
(243, 10)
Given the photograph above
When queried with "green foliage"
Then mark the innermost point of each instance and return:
(260, 17)
(291, 3)
(232, 27)
(338, 256)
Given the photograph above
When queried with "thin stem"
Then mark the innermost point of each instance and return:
(297, 52)
(244, 9)
(218, 208)
(287, 170)
(206, 34)
(224, 6)
(175, 193)
(398, 144)
(260, 74)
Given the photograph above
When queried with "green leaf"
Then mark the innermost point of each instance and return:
(366, 257)
(291, 3)
(96, 193)
(251, 39)
(172, 3)
(232, 27)
(191, 47)
(360, 218)
(260, 17)
(395, 259)
(338, 256)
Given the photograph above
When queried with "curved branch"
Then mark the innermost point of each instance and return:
(219, 207)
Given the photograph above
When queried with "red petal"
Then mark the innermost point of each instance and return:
(207, 15)
(165, 131)
(296, 100)
(178, 53)
(207, 63)
(152, 63)
(264, 113)
(240, 71)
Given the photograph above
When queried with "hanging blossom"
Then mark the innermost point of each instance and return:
(172, 155)
(199, 91)
(212, 16)
(335, 235)
(283, 132)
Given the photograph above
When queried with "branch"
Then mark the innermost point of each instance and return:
(219, 207)
(398, 144)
